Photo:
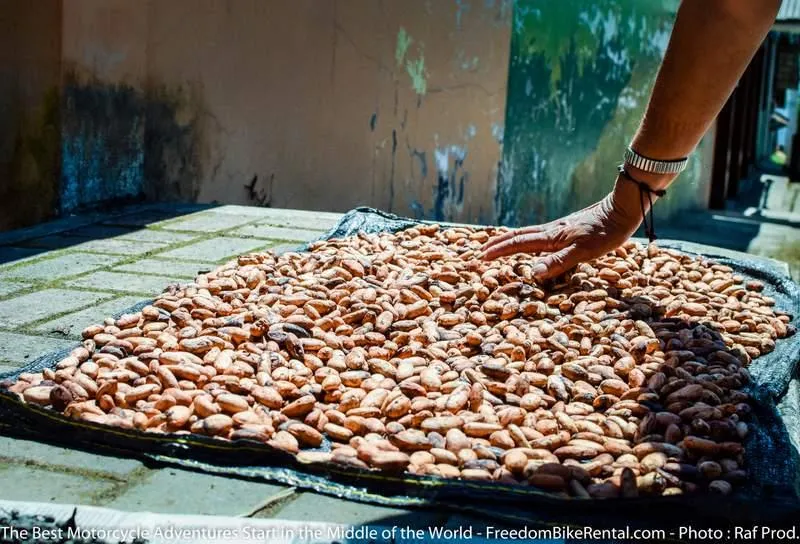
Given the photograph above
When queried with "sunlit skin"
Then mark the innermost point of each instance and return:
(711, 44)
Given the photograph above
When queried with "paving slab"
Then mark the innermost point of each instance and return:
(158, 236)
(309, 223)
(208, 221)
(145, 215)
(173, 269)
(71, 325)
(12, 255)
(113, 246)
(142, 218)
(30, 451)
(32, 307)
(214, 250)
(281, 216)
(95, 232)
(312, 506)
(284, 248)
(9, 287)
(278, 233)
(59, 266)
(33, 484)
(175, 491)
(249, 211)
(50, 227)
(117, 246)
(20, 349)
(56, 241)
(324, 223)
(123, 282)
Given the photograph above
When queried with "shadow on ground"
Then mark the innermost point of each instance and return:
(81, 230)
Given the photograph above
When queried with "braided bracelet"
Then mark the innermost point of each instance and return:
(644, 189)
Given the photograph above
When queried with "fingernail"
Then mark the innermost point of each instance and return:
(539, 269)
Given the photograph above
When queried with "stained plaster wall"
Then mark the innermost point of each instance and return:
(306, 104)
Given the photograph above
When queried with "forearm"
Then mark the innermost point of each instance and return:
(712, 43)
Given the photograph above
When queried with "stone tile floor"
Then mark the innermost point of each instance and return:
(60, 276)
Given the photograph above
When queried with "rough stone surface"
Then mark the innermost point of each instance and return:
(176, 269)
(123, 283)
(208, 221)
(19, 349)
(71, 325)
(8, 287)
(33, 484)
(41, 304)
(215, 250)
(60, 266)
(279, 233)
(185, 492)
(29, 451)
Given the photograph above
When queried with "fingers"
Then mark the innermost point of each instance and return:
(534, 242)
(510, 234)
(557, 263)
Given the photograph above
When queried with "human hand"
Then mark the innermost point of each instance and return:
(578, 237)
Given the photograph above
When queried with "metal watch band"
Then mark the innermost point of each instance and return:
(646, 164)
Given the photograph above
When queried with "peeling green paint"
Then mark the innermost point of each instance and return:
(415, 68)
(577, 88)
(403, 43)
(575, 31)
(416, 71)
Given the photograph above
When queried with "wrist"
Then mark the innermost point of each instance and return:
(625, 202)
(657, 182)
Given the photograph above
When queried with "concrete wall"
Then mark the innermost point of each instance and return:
(327, 104)
(30, 45)
(317, 104)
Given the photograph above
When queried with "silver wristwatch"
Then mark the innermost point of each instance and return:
(646, 164)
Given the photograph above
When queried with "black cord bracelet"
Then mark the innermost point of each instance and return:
(644, 189)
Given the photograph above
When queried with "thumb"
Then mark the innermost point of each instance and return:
(557, 263)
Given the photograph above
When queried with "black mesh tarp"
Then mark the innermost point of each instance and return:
(769, 497)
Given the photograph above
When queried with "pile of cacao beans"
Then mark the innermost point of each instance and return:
(406, 352)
